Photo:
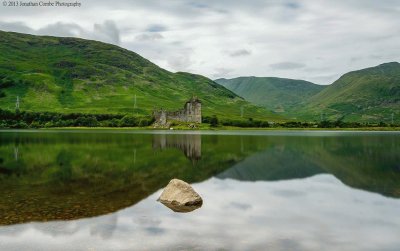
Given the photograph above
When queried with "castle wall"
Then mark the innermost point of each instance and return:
(190, 113)
(178, 115)
(160, 117)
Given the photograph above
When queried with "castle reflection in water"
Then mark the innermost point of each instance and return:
(189, 144)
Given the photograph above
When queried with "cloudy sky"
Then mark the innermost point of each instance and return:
(315, 40)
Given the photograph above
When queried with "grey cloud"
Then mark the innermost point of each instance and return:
(106, 227)
(241, 206)
(375, 56)
(155, 230)
(353, 59)
(61, 29)
(56, 29)
(238, 53)
(316, 69)
(15, 27)
(286, 66)
(156, 28)
(108, 31)
(54, 230)
(221, 72)
(149, 37)
(179, 62)
(289, 244)
(292, 5)
(198, 5)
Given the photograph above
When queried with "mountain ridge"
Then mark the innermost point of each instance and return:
(370, 95)
(367, 95)
(278, 94)
(75, 75)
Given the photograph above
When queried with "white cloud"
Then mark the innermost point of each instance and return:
(317, 34)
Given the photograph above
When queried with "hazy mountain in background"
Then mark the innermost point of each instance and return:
(277, 94)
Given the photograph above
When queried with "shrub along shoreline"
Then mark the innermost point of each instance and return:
(25, 119)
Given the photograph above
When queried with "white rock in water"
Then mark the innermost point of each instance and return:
(179, 196)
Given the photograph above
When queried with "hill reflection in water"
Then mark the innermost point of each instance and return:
(61, 175)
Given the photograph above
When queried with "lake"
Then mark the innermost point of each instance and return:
(262, 190)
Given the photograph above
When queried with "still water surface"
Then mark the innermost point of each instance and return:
(97, 190)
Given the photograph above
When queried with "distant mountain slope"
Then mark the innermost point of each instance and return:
(278, 94)
(369, 95)
(76, 75)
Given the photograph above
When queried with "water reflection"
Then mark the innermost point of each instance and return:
(65, 176)
(189, 144)
(275, 163)
(315, 213)
(180, 208)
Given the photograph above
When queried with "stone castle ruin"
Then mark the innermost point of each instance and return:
(190, 113)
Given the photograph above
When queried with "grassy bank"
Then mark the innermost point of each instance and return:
(32, 120)
(205, 127)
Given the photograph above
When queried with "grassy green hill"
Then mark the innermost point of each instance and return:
(277, 94)
(71, 75)
(367, 95)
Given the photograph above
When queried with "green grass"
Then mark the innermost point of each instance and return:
(71, 75)
(367, 95)
(205, 126)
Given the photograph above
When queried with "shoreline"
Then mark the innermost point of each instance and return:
(222, 128)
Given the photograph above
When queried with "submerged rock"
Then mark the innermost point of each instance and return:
(179, 196)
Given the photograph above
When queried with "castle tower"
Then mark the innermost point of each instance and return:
(193, 110)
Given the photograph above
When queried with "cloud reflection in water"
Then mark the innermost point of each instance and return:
(316, 213)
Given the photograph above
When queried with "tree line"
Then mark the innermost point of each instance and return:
(25, 119)
(252, 123)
